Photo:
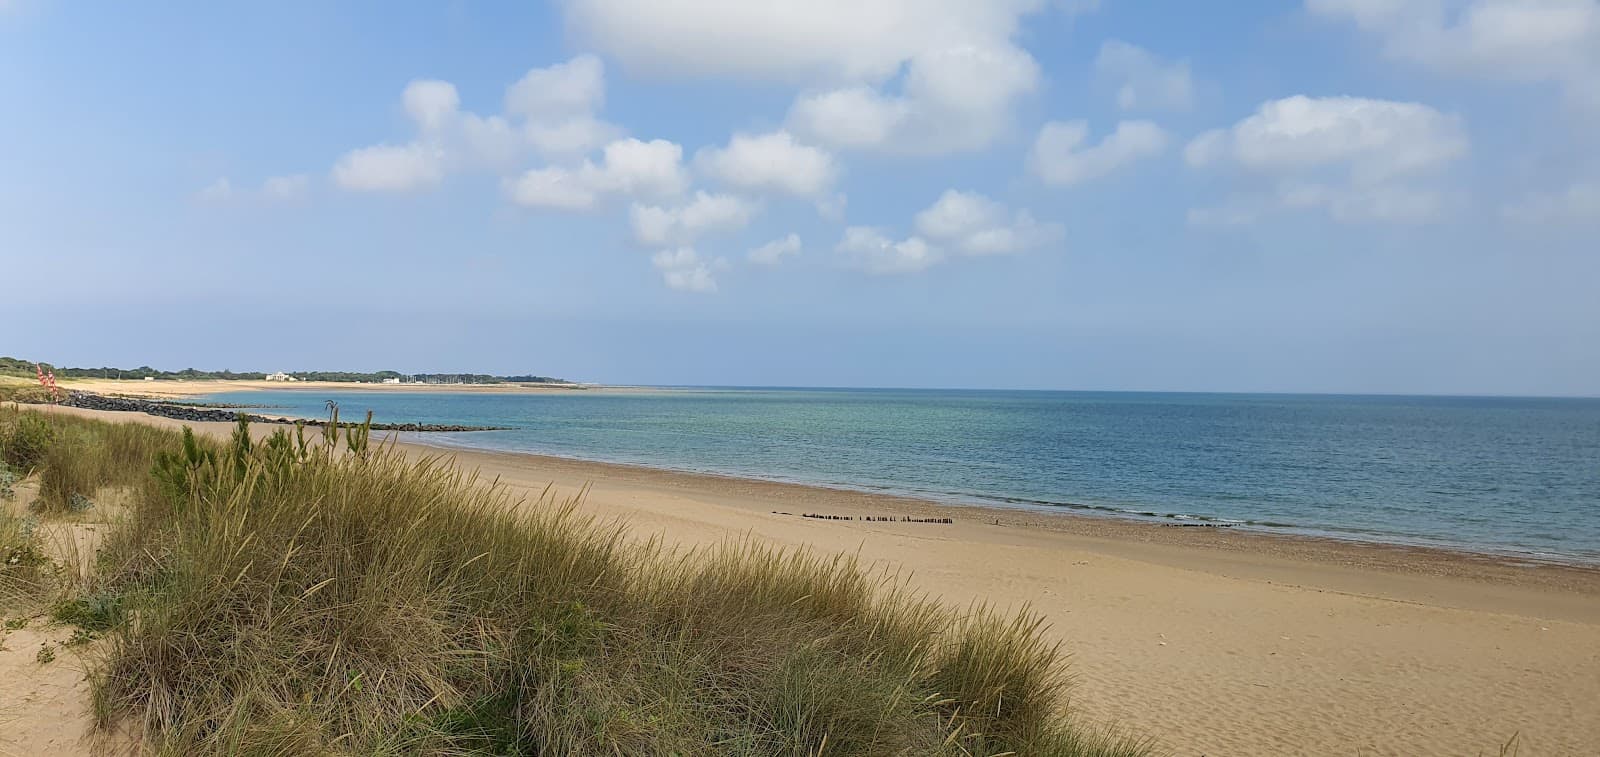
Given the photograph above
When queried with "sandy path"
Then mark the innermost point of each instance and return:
(1216, 643)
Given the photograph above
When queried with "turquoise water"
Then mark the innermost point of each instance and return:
(1497, 474)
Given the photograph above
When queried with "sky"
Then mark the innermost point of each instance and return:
(1363, 196)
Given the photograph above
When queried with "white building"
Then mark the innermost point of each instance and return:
(280, 376)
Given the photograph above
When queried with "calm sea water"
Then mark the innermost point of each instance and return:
(1498, 474)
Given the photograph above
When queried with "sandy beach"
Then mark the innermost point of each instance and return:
(1216, 642)
(183, 389)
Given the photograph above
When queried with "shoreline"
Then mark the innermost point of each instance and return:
(1446, 548)
(1216, 641)
(184, 388)
(1090, 513)
(1481, 566)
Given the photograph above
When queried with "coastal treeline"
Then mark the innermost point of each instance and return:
(315, 592)
(10, 366)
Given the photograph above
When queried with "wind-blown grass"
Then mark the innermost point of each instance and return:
(283, 598)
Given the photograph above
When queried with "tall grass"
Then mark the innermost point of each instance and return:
(24, 568)
(284, 598)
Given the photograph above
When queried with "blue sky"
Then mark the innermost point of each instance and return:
(1340, 195)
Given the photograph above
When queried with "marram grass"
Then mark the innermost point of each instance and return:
(279, 597)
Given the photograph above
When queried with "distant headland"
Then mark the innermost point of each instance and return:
(10, 366)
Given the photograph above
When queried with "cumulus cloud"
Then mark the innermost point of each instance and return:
(790, 41)
(550, 111)
(1554, 41)
(683, 269)
(872, 250)
(390, 168)
(1376, 139)
(558, 105)
(973, 224)
(657, 226)
(774, 162)
(1062, 154)
(775, 251)
(430, 102)
(1143, 80)
(908, 76)
(1577, 204)
(953, 99)
(1360, 160)
(576, 87)
(629, 167)
(553, 188)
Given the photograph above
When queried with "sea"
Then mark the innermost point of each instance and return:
(1512, 476)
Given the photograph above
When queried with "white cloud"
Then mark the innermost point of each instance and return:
(870, 249)
(1554, 41)
(1577, 204)
(907, 76)
(853, 117)
(770, 162)
(550, 111)
(555, 188)
(953, 99)
(286, 187)
(790, 41)
(220, 190)
(1061, 154)
(1359, 160)
(574, 88)
(656, 226)
(971, 223)
(1375, 139)
(578, 135)
(635, 167)
(390, 168)
(775, 251)
(683, 269)
(431, 103)
(558, 105)
(630, 167)
(1143, 80)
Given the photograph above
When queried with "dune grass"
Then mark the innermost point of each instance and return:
(294, 597)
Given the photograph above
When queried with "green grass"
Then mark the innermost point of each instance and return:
(277, 599)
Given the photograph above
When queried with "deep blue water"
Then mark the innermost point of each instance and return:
(1499, 474)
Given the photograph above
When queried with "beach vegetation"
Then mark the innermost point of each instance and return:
(274, 595)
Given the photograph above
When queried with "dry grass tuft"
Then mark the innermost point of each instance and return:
(279, 597)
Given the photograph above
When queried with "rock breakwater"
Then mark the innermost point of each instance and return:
(195, 414)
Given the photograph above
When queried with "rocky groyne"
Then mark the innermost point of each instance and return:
(183, 412)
